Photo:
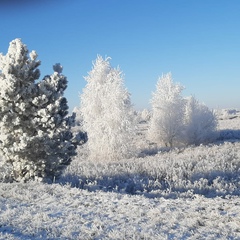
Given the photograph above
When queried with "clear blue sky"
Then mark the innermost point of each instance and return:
(197, 40)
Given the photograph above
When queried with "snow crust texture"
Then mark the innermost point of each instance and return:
(38, 211)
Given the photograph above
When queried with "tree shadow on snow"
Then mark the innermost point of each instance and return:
(226, 135)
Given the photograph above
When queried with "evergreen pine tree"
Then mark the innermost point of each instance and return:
(35, 136)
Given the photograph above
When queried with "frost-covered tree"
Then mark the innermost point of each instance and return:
(200, 123)
(35, 136)
(166, 124)
(107, 113)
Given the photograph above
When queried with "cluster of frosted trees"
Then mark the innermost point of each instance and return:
(177, 120)
(107, 112)
(35, 129)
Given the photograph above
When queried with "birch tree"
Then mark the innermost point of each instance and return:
(107, 113)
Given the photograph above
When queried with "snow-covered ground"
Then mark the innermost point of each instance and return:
(187, 193)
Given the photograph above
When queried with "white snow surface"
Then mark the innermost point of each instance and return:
(37, 211)
(188, 193)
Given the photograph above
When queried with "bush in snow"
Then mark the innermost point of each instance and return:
(35, 136)
(224, 114)
(145, 115)
(200, 123)
(166, 124)
(107, 113)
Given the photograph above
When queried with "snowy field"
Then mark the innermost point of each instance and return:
(187, 193)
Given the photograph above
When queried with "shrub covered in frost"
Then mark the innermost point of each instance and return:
(145, 115)
(201, 123)
(35, 136)
(166, 124)
(107, 113)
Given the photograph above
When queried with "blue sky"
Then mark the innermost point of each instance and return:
(197, 40)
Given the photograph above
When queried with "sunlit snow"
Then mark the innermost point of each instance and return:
(184, 193)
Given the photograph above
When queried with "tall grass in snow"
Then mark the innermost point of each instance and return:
(212, 170)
